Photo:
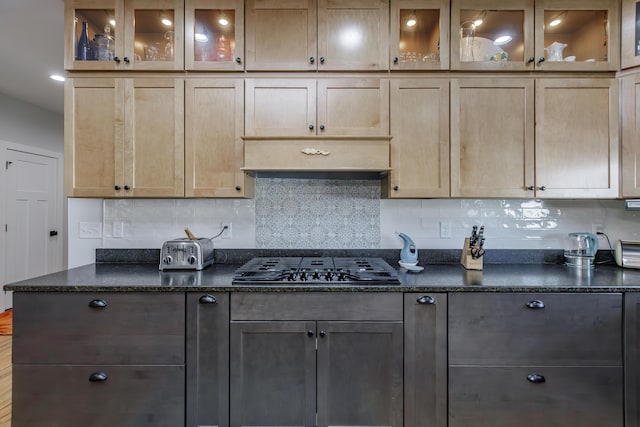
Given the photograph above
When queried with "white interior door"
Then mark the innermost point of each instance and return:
(33, 244)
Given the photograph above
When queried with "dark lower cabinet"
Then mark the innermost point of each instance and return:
(425, 360)
(535, 396)
(207, 355)
(632, 359)
(97, 396)
(316, 371)
(535, 359)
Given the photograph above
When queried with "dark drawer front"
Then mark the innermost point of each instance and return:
(504, 397)
(316, 306)
(131, 396)
(500, 329)
(132, 329)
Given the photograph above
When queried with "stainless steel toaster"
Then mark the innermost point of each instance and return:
(186, 254)
(627, 254)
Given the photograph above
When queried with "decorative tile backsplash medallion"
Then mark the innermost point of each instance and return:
(317, 213)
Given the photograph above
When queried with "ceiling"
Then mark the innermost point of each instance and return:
(32, 48)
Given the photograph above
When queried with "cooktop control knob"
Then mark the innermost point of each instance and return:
(192, 259)
(303, 275)
(168, 259)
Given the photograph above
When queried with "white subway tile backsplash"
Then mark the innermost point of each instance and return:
(334, 214)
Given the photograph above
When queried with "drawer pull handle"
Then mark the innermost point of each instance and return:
(208, 299)
(426, 299)
(536, 378)
(98, 303)
(535, 304)
(314, 152)
(310, 332)
(322, 334)
(97, 377)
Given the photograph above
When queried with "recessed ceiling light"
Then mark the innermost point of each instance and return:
(57, 77)
(502, 40)
(223, 21)
(555, 22)
(411, 22)
(112, 22)
(166, 22)
(478, 22)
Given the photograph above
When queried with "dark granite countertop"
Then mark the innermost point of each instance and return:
(116, 277)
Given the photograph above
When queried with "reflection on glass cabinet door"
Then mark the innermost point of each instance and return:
(491, 35)
(154, 37)
(94, 34)
(419, 36)
(214, 35)
(576, 35)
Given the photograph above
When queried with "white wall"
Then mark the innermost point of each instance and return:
(83, 213)
(27, 124)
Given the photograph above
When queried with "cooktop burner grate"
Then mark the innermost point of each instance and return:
(316, 270)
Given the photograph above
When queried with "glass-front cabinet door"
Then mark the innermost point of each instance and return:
(492, 35)
(577, 35)
(419, 34)
(214, 35)
(124, 34)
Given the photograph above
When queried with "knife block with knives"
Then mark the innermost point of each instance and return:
(472, 251)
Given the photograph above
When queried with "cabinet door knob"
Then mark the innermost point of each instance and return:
(322, 59)
(238, 188)
(312, 59)
(531, 188)
(395, 59)
(310, 332)
(536, 378)
(532, 59)
(311, 127)
(322, 333)
(98, 377)
(540, 61)
(126, 59)
(542, 188)
(238, 60)
(98, 303)
(426, 299)
(207, 299)
(396, 188)
(535, 304)
(117, 188)
(321, 127)
(127, 188)
(115, 58)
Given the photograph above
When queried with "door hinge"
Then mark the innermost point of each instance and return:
(7, 164)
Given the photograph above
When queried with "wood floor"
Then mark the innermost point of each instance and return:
(5, 380)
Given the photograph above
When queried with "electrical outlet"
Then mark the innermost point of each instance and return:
(228, 232)
(445, 229)
(595, 228)
(90, 230)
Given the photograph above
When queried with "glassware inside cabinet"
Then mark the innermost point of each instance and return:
(419, 35)
(97, 44)
(576, 35)
(214, 35)
(153, 35)
(491, 35)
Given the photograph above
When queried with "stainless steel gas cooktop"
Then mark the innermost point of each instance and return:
(316, 270)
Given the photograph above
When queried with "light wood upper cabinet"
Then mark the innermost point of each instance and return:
(125, 34)
(213, 144)
(130, 143)
(419, 28)
(492, 145)
(94, 137)
(331, 35)
(520, 35)
(576, 138)
(353, 34)
(306, 107)
(420, 138)
(630, 92)
(281, 35)
(214, 35)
